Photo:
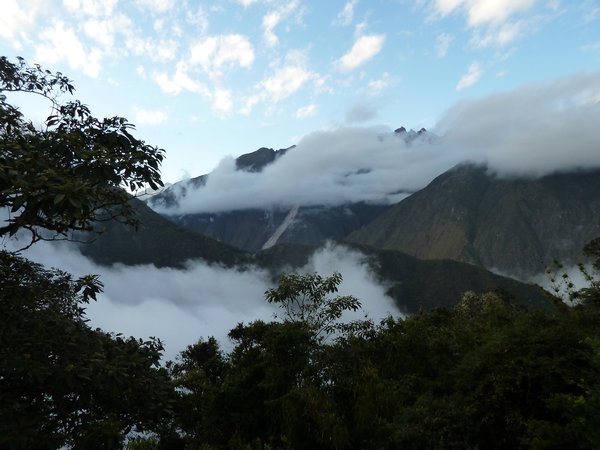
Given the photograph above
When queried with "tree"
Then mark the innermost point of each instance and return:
(61, 382)
(70, 174)
(270, 390)
(306, 299)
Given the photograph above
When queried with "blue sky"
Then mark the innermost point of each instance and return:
(206, 79)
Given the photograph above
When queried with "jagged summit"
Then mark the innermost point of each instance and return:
(259, 159)
(402, 130)
(409, 135)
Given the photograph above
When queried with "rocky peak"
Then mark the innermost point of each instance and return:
(409, 135)
(259, 159)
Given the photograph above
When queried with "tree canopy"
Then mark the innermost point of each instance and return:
(62, 382)
(70, 172)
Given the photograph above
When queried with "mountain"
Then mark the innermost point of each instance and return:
(516, 226)
(250, 162)
(255, 229)
(156, 241)
(415, 284)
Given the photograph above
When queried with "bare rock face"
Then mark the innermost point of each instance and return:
(516, 226)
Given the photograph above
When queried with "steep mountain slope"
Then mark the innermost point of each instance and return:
(251, 229)
(157, 241)
(416, 284)
(516, 226)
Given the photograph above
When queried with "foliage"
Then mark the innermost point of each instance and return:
(267, 393)
(68, 175)
(564, 292)
(62, 382)
(487, 373)
(304, 298)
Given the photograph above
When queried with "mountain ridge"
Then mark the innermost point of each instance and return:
(517, 226)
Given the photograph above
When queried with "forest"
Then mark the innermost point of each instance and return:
(484, 373)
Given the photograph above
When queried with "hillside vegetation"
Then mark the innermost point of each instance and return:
(517, 226)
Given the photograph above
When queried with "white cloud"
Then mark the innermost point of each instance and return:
(250, 102)
(273, 18)
(364, 48)
(158, 25)
(62, 44)
(247, 3)
(470, 78)
(198, 18)
(533, 130)
(222, 101)
(150, 117)
(483, 12)
(180, 81)
(160, 51)
(285, 82)
(270, 21)
(104, 31)
(346, 15)
(497, 22)
(377, 86)
(499, 36)
(443, 41)
(91, 7)
(159, 6)
(289, 76)
(203, 300)
(215, 53)
(16, 22)
(306, 111)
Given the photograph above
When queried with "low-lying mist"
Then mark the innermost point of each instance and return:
(202, 300)
(531, 131)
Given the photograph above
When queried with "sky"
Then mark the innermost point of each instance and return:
(211, 79)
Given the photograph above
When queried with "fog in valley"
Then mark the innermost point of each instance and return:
(181, 306)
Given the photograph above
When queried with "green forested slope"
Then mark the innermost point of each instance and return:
(515, 225)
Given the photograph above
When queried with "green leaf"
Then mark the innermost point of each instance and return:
(59, 198)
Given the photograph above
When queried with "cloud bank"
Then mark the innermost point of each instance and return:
(181, 306)
(532, 131)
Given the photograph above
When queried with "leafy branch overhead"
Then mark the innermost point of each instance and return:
(72, 172)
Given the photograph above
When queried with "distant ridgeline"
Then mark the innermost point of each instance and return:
(513, 225)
